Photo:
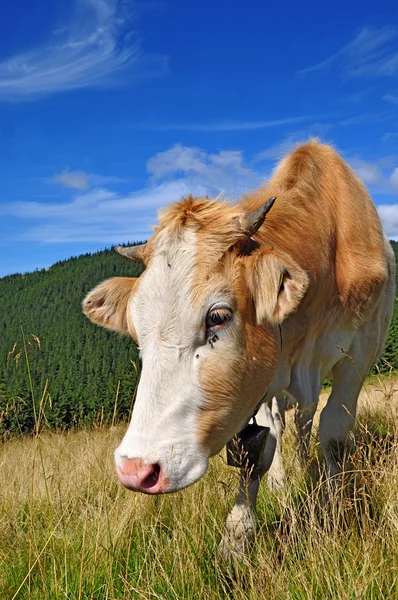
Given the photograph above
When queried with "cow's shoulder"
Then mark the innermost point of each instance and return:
(325, 219)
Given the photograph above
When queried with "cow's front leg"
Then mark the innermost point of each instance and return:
(255, 449)
(276, 473)
(241, 523)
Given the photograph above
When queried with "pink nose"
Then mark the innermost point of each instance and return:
(141, 478)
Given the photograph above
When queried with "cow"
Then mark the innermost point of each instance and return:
(242, 305)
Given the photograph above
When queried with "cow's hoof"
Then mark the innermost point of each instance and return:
(231, 549)
(239, 534)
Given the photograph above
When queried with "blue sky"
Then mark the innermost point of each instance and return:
(111, 109)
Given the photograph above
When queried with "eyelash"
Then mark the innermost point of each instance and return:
(223, 315)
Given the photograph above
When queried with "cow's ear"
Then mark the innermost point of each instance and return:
(106, 304)
(277, 285)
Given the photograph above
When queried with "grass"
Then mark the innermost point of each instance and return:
(69, 530)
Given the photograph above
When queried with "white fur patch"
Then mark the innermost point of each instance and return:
(163, 425)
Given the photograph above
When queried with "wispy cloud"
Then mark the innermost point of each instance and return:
(370, 173)
(105, 216)
(389, 218)
(81, 180)
(286, 145)
(224, 125)
(373, 52)
(389, 135)
(100, 214)
(76, 180)
(366, 118)
(394, 179)
(391, 98)
(95, 50)
(379, 175)
(278, 150)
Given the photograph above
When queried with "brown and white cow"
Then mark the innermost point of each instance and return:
(236, 307)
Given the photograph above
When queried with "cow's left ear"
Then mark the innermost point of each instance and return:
(277, 286)
(106, 304)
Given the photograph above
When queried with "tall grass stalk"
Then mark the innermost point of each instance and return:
(69, 530)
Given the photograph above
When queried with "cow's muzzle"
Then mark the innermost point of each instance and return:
(138, 477)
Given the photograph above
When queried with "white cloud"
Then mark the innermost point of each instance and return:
(377, 175)
(76, 180)
(389, 218)
(394, 179)
(373, 52)
(99, 214)
(94, 51)
(81, 180)
(104, 216)
(216, 172)
(370, 173)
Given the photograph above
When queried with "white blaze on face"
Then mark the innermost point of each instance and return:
(163, 425)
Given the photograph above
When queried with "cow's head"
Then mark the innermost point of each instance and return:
(205, 315)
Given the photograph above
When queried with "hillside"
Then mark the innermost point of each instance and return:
(87, 368)
(82, 363)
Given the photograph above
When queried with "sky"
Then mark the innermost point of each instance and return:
(111, 109)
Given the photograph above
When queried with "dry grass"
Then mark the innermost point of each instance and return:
(69, 530)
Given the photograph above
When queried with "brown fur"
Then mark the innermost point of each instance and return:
(321, 248)
(244, 375)
(322, 240)
(324, 218)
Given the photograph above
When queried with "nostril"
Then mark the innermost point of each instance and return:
(153, 477)
(140, 477)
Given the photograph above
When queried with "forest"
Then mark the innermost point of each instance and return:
(55, 363)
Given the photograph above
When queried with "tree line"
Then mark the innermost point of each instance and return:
(53, 361)
(57, 368)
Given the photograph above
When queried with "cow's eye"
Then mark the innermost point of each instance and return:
(218, 317)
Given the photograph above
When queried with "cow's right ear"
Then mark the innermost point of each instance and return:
(106, 304)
